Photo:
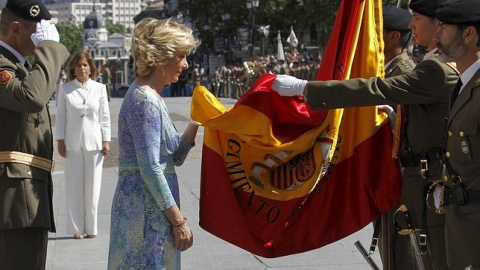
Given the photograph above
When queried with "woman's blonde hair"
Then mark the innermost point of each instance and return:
(155, 41)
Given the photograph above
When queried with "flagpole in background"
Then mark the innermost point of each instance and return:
(252, 6)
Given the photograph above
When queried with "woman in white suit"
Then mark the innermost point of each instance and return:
(83, 136)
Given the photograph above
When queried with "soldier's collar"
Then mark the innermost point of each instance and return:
(468, 74)
(9, 48)
(433, 54)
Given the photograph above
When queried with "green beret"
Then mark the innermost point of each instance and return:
(395, 18)
(425, 7)
(459, 12)
(30, 10)
(148, 13)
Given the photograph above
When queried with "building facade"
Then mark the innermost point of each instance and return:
(75, 11)
(113, 50)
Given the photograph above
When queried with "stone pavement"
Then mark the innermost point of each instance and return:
(208, 251)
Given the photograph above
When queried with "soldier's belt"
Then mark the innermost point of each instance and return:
(411, 159)
(27, 159)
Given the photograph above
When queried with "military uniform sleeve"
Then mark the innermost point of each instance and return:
(31, 92)
(424, 85)
(61, 121)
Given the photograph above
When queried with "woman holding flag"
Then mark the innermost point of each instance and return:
(148, 230)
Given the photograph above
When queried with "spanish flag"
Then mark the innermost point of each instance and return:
(278, 178)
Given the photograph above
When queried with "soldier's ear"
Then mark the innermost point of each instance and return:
(15, 27)
(469, 34)
(396, 35)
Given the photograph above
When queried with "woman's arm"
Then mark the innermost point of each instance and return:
(187, 142)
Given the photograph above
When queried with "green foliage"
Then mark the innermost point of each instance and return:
(71, 36)
(306, 16)
(115, 28)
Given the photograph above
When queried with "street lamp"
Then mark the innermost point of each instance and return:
(226, 19)
(252, 6)
(206, 28)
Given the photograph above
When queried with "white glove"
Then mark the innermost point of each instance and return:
(438, 196)
(289, 86)
(391, 113)
(45, 31)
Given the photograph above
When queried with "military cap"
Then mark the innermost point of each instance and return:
(459, 12)
(395, 18)
(425, 7)
(30, 10)
(148, 13)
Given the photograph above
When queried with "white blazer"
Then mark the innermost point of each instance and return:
(83, 115)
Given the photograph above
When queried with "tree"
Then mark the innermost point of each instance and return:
(113, 28)
(71, 35)
(306, 16)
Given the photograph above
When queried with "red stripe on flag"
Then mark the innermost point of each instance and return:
(338, 47)
(350, 197)
(290, 117)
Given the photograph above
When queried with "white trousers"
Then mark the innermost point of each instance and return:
(83, 179)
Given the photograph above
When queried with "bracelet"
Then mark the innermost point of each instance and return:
(181, 223)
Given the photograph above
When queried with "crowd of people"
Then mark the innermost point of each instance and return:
(148, 228)
(233, 80)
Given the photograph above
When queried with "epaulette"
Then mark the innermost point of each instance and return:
(477, 83)
(432, 56)
(406, 65)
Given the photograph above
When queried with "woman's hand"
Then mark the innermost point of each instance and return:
(62, 149)
(105, 148)
(183, 236)
(181, 232)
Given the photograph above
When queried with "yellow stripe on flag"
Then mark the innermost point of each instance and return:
(255, 159)
(366, 60)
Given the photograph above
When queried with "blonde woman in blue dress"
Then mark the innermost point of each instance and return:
(148, 230)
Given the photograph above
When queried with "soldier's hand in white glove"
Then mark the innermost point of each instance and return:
(289, 86)
(391, 114)
(45, 31)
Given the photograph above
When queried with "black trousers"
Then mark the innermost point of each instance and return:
(23, 249)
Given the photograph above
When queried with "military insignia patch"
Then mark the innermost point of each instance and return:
(5, 77)
(34, 11)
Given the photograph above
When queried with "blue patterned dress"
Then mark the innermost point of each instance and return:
(141, 236)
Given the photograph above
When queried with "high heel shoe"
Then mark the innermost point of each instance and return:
(78, 236)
